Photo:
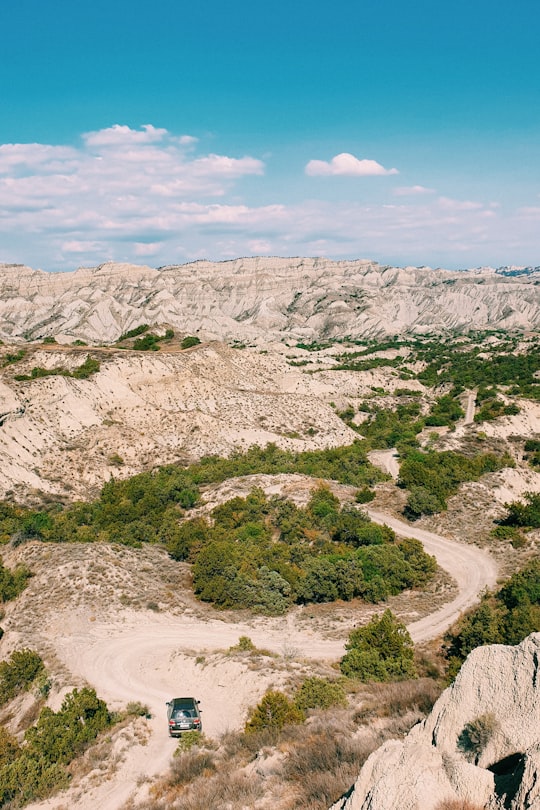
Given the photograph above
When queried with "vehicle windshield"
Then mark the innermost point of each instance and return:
(179, 713)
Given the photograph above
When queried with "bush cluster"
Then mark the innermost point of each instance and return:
(82, 372)
(469, 368)
(432, 477)
(505, 617)
(525, 514)
(266, 554)
(276, 709)
(12, 583)
(146, 507)
(37, 768)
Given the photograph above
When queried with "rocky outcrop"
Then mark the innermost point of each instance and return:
(480, 743)
(249, 299)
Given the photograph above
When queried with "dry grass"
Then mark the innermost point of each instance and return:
(323, 766)
(399, 699)
(223, 789)
(190, 765)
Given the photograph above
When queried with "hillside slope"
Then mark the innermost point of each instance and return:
(270, 298)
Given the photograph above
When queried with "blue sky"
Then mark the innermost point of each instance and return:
(162, 132)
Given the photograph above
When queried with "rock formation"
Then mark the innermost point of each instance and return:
(270, 298)
(481, 742)
(141, 409)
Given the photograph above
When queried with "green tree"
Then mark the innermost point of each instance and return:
(18, 672)
(273, 712)
(525, 514)
(382, 650)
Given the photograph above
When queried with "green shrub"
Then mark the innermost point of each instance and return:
(364, 495)
(274, 711)
(137, 709)
(524, 514)
(12, 583)
(319, 693)
(148, 343)
(476, 735)
(132, 333)
(187, 741)
(382, 650)
(245, 644)
(12, 357)
(58, 737)
(189, 341)
(90, 366)
(18, 672)
(9, 747)
(37, 769)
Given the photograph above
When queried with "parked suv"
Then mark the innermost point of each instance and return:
(183, 714)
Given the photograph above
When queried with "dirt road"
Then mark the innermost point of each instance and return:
(154, 657)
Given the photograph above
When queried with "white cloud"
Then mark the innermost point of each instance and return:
(409, 191)
(119, 135)
(347, 165)
(449, 204)
(222, 166)
(34, 155)
(146, 249)
(76, 246)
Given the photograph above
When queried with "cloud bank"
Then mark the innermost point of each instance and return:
(149, 195)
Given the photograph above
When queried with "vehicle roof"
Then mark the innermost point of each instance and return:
(184, 701)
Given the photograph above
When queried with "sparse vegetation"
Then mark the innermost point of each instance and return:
(85, 370)
(12, 357)
(432, 477)
(476, 735)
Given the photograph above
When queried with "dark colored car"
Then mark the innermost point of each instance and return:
(183, 714)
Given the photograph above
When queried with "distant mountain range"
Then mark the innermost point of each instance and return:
(254, 299)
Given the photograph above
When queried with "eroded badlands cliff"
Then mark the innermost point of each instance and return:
(497, 693)
(248, 299)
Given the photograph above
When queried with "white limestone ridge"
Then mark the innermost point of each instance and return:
(252, 298)
(434, 764)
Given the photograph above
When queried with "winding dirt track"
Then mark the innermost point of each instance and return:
(152, 660)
